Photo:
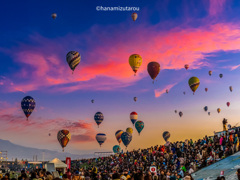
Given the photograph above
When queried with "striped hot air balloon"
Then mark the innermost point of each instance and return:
(101, 137)
(63, 137)
(118, 136)
(28, 104)
(98, 117)
(133, 117)
(73, 59)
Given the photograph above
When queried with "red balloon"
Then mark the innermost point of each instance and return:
(153, 69)
(228, 104)
(206, 89)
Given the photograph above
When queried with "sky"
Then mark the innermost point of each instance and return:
(203, 34)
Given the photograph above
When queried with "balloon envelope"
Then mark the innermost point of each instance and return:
(166, 90)
(98, 117)
(129, 130)
(220, 75)
(218, 110)
(133, 117)
(186, 66)
(206, 89)
(92, 101)
(63, 137)
(135, 99)
(166, 135)
(139, 125)
(118, 136)
(209, 113)
(228, 104)
(28, 104)
(210, 73)
(193, 83)
(230, 88)
(175, 111)
(135, 62)
(101, 137)
(134, 16)
(54, 15)
(180, 113)
(126, 138)
(205, 108)
(116, 149)
(73, 59)
(153, 69)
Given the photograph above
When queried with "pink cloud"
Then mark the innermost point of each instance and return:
(216, 7)
(104, 66)
(160, 92)
(13, 120)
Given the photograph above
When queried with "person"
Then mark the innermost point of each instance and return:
(238, 174)
(69, 174)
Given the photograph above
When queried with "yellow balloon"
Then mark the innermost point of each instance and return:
(135, 62)
(129, 130)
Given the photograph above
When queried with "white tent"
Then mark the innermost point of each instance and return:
(58, 163)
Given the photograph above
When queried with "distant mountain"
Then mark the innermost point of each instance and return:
(21, 152)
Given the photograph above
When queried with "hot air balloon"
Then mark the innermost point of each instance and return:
(205, 108)
(129, 130)
(218, 110)
(135, 99)
(116, 149)
(63, 137)
(49, 134)
(209, 113)
(139, 125)
(228, 104)
(134, 16)
(184, 92)
(193, 83)
(73, 59)
(166, 135)
(101, 137)
(153, 69)
(180, 113)
(210, 73)
(206, 89)
(230, 88)
(135, 62)
(175, 111)
(54, 15)
(133, 117)
(98, 117)
(92, 100)
(126, 138)
(28, 104)
(167, 91)
(118, 136)
(220, 75)
(186, 66)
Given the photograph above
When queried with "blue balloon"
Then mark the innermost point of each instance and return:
(28, 104)
(139, 125)
(205, 108)
(126, 138)
(166, 135)
(98, 118)
(116, 149)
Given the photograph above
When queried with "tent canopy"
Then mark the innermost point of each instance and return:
(58, 163)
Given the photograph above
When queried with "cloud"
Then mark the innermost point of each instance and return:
(161, 91)
(104, 64)
(14, 121)
(216, 7)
